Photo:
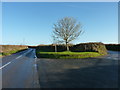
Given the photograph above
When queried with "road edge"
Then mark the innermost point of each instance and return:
(36, 83)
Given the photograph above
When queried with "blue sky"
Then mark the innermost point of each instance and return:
(31, 23)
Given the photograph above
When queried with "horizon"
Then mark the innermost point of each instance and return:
(60, 44)
(30, 23)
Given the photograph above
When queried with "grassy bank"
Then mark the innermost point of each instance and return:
(67, 54)
(10, 49)
(0, 54)
(8, 53)
(11, 52)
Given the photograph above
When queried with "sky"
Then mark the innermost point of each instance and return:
(60, 0)
(31, 23)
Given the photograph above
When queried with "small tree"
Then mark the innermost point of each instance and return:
(67, 29)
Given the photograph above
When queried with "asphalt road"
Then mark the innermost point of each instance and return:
(100, 72)
(19, 70)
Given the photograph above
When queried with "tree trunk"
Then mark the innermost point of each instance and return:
(67, 46)
(55, 48)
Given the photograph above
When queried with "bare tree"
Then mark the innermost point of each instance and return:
(67, 29)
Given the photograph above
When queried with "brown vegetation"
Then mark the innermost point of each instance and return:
(90, 47)
(9, 49)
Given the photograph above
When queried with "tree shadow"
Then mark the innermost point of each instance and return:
(98, 76)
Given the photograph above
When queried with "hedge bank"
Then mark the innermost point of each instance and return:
(113, 47)
(90, 47)
(82, 47)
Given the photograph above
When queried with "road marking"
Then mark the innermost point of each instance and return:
(36, 79)
(12, 60)
(35, 65)
(23, 54)
(5, 65)
(18, 57)
(28, 51)
(35, 57)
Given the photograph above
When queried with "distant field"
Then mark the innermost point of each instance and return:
(10, 49)
(67, 54)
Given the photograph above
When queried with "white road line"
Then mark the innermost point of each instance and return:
(35, 55)
(18, 57)
(27, 52)
(5, 65)
(23, 54)
(36, 79)
(12, 60)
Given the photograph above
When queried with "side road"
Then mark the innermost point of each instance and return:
(99, 72)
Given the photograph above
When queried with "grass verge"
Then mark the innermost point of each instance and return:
(67, 54)
(0, 54)
(11, 52)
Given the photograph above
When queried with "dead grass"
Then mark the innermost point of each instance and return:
(9, 49)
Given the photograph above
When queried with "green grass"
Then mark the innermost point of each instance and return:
(11, 52)
(10, 49)
(67, 54)
(0, 54)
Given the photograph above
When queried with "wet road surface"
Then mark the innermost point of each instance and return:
(18, 70)
(101, 72)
